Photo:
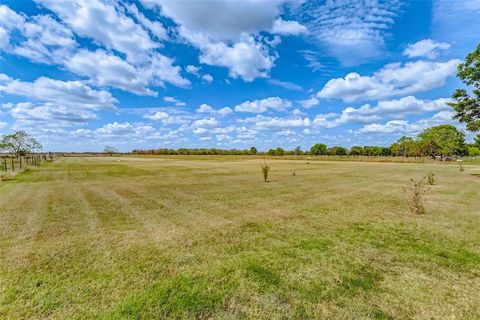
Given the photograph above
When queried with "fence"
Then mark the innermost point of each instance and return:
(11, 163)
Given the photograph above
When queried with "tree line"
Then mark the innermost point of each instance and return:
(443, 141)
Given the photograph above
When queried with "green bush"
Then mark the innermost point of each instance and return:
(265, 171)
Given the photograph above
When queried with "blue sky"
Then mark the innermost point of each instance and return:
(81, 74)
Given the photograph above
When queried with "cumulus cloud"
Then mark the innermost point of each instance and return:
(227, 20)
(105, 69)
(309, 103)
(205, 108)
(117, 131)
(408, 127)
(283, 27)
(264, 123)
(229, 37)
(395, 79)
(58, 92)
(425, 48)
(246, 58)
(383, 109)
(39, 38)
(259, 106)
(105, 24)
(175, 101)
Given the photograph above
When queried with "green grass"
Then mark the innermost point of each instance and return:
(170, 238)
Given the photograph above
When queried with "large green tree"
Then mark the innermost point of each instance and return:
(443, 140)
(467, 105)
(318, 149)
(20, 143)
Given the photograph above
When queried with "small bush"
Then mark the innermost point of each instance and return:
(265, 171)
(416, 201)
(431, 178)
(461, 166)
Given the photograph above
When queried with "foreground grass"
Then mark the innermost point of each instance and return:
(98, 238)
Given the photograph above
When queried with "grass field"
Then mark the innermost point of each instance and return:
(152, 238)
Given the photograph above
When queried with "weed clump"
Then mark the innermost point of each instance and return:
(461, 166)
(416, 201)
(431, 178)
(265, 171)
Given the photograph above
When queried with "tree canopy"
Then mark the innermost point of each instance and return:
(20, 143)
(443, 140)
(467, 105)
(318, 149)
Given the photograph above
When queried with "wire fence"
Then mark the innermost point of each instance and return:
(12, 163)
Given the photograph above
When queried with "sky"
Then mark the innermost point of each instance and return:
(83, 74)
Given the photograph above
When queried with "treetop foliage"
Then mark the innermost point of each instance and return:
(467, 105)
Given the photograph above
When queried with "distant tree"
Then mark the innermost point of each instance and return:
(279, 151)
(253, 150)
(339, 151)
(318, 149)
(443, 140)
(467, 106)
(20, 143)
(473, 151)
(356, 151)
(404, 147)
(476, 143)
(110, 150)
(297, 151)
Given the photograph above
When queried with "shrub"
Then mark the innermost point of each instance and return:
(416, 201)
(265, 171)
(431, 178)
(461, 166)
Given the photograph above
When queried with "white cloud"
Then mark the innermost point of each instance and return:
(50, 115)
(207, 122)
(207, 77)
(193, 70)
(391, 108)
(259, 106)
(40, 38)
(155, 27)
(311, 102)
(352, 31)
(102, 22)
(394, 79)
(285, 84)
(407, 127)
(106, 69)
(425, 48)
(174, 101)
(265, 123)
(109, 70)
(221, 20)
(205, 108)
(246, 59)
(283, 27)
(117, 131)
(58, 92)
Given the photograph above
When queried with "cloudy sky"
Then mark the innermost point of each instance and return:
(82, 74)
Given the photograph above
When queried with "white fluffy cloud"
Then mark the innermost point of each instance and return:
(58, 92)
(221, 20)
(246, 58)
(205, 108)
(309, 103)
(425, 48)
(117, 131)
(259, 106)
(43, 39)
(394, 79)
(384, 109)
(283, 27)
(105, 24)
(105, 69)
(175, 101)
(407, 127)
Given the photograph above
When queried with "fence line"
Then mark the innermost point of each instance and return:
(11, 163)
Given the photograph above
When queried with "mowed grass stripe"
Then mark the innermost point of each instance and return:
(127, 238)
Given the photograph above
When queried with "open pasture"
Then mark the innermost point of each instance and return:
(153, 238)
